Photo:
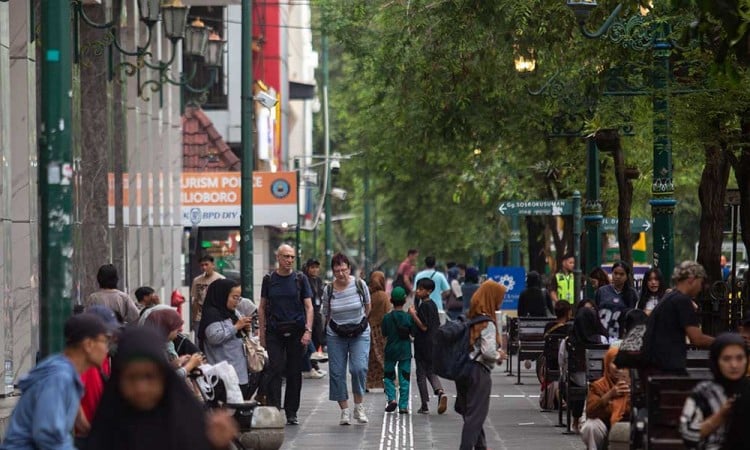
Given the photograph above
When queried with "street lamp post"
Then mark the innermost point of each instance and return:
(651, 36)
(248, 156)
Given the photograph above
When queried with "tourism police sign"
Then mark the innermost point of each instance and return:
(514, 280)
(537, 208)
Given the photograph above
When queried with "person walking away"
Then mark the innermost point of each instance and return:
(533, 301)
(607, 403)
(146, 406)
(614, 300)
(45, 414)
(397, 327)
(473, 394)
(562, 286)
(672, 320)
(442, 288)
(94, 377)
(310, 367)
(427, 319)
(454, 304)
(470, 286)
(380, 306)
(285, 318)
(346, 305)
(710, 418)
(221, 327)
(652, 290)
(405, 274)
(586, 330)
(199, 287)
(111, 297)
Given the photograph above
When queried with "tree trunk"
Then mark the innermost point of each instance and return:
(711, 193)
(610, 139)
(535, 236)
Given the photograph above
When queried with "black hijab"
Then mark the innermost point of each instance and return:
(215, 306)
(177, 422)
(587, 329)
(738, 433)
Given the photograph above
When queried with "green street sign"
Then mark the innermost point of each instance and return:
(609, 225)
(537, 208)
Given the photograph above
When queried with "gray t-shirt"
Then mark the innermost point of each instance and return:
(117, 301)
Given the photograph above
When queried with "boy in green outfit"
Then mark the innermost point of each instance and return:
(397, 327)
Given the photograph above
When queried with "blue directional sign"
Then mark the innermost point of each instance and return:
(609, 225)
(514, 280)
(536, 208)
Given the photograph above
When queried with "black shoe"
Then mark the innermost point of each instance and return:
(391, 406)
(423, 409)
(292, 420)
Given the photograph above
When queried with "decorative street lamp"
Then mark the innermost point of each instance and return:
(636, 33)
(197, 43)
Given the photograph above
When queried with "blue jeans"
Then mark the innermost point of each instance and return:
(306, 363)
(352, 351)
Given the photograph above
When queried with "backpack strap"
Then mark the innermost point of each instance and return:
(329, 295)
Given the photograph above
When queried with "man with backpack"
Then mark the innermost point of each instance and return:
(285, 319)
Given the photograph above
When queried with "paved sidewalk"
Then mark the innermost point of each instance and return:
(514, 422)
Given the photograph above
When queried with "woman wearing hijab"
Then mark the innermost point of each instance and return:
(145, 405)
(221, 329)
(169, 323)
(586, 330)
(473, 399)
(380, 306)
(710, 411)
(607, 403)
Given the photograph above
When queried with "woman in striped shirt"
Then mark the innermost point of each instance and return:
(709, 408)
(345, 307)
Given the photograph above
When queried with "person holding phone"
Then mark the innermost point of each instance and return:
(608, 403)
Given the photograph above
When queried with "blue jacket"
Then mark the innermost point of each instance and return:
(45, 414)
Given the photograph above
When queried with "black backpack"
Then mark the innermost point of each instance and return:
(450, 358)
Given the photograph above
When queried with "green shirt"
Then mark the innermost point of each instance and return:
(397, 349)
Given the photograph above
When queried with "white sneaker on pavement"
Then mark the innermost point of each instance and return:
(313, 375)
(346, 417)
(359, 413)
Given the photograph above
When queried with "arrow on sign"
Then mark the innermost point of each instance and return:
(609, 224)
(537, 208)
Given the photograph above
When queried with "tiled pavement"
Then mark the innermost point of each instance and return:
(514, 422)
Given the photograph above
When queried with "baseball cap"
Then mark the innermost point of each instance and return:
(398, 293)
(312, 262)
(83, 326)
(106, 315)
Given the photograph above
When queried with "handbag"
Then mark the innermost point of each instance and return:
(256, 355)
(631, 352)
(350, 330)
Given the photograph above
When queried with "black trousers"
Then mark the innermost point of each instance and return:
(473, 403)
(284, 360)
(318, 333)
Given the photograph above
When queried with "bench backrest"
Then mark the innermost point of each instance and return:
(697, 359)
(595, 363)
(665, 398)
(512, 335)
(551, 347)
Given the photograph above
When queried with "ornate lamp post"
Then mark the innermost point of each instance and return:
(636, 33)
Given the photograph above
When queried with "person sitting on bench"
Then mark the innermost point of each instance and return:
(710, 418)
(607, 403)
(586, 330)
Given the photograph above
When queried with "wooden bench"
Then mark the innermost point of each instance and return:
(530, 340)
(665, 398)
(512, 343)
(697, 368)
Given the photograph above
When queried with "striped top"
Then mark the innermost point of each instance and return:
(705, 400)
(346, 306)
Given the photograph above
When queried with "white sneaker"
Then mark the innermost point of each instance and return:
(346, 417)
(359, 413)
(313, 375)
(319, 356)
